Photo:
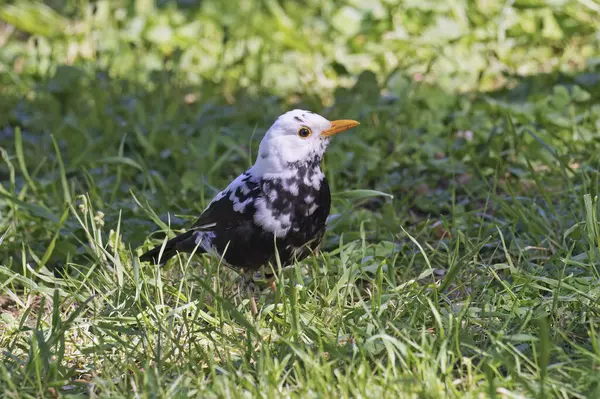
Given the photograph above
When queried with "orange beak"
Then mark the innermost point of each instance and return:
(339, 126)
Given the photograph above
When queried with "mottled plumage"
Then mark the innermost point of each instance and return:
(281, 203)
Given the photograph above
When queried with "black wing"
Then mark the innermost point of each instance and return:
(221, 215)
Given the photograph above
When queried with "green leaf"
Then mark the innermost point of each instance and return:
(52, 244)
(4, 235)
(121, 160)
(160, 34)
(580, 95)
(347, 20)
(521, 338)
(63, 175)
(21, 158)
(551, 29)
(34, 209)
(360, 194)
(35, 18)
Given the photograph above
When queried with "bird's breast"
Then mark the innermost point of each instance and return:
(289, 210)
(290, 202)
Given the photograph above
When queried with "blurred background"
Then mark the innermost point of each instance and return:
(304, 46)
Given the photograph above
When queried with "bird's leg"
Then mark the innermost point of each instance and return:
(270, 279)
(269, 275)
(248, 285)
(272, 284)
(253, 306)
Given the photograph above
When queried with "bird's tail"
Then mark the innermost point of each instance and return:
(182, 243)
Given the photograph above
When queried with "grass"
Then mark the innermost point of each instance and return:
(479, 278)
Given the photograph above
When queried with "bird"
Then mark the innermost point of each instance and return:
(277, 208)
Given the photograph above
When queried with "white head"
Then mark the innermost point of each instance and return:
(297, 137)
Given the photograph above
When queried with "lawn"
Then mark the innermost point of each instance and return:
(462, 257)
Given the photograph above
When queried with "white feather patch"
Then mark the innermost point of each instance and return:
(292, 188)
(204, 240)
(264, 218)
(240, 206)
(315, 180)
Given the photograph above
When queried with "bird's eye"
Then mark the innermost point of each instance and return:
(304, 132)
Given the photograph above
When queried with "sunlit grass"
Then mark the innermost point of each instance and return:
(462, 255)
